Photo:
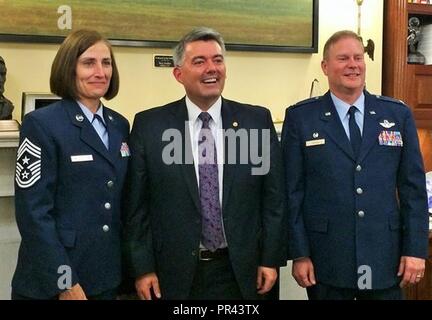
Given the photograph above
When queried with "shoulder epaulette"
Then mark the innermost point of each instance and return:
(307, 101)
(390, 99)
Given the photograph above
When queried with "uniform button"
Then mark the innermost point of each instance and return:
(359, 190)
(110, 184)
(107, 205)
(194, 253)
(105, 228)
(361, 213)
(359, 168)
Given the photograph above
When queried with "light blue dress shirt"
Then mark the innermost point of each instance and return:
(342, 110)
(99, 126)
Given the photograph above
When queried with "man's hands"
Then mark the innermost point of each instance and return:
(266, 279)
(145, 284)
(74, 293)
(303, 272)
(411, 269)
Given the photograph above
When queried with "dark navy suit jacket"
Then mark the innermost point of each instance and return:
(70, 216)
(343, 212)
(163, 228)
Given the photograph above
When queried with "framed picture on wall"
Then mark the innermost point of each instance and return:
(33, 101)
(253, 25)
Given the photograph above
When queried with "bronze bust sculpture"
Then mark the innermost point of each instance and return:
(414, 31)
(6, 106)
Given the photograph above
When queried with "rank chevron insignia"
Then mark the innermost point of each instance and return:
(28, 166)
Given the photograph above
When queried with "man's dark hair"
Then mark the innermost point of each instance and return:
(197, 34)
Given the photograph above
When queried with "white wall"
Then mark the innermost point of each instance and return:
(275, 80)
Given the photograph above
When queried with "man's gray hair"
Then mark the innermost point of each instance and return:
(197, 34)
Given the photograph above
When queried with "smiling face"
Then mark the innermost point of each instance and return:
(202, 72)
(345, 68)
(93, 75)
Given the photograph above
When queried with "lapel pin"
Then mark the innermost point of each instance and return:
(79, 117)
(372, 112)
(327, 114)
(235, 124)
(315, 135)
(110, 117)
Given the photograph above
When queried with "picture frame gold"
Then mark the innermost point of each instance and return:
(246, 25)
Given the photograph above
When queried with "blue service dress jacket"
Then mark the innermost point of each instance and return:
(352, 214)
(68, 201)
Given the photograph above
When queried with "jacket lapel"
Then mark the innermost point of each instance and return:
(88, 134)
(333, 126)
(228, 118)
(371, 126)
(188, 169)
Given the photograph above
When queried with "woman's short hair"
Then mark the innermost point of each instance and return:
(63, 69)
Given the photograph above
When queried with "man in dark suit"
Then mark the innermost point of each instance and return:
(356, 199)
(204, 217)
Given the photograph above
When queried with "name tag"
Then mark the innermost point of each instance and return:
(390, 138)
(316, 142)
(82, 158)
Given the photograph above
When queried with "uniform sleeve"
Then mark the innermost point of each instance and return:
(35, 188)
(298, 245)
(138, 241)
(412, 194)
(274, 245)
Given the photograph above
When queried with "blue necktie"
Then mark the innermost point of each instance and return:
(354, 130)
(100, 128)
(212, 232)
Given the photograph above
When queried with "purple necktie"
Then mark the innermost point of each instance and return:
(212, 234)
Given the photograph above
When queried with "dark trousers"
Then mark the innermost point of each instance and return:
(322, 291)
(106, 295)
(215, 280)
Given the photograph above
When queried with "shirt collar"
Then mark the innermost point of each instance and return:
(89, 115)
(214, 110)
(342, 107)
